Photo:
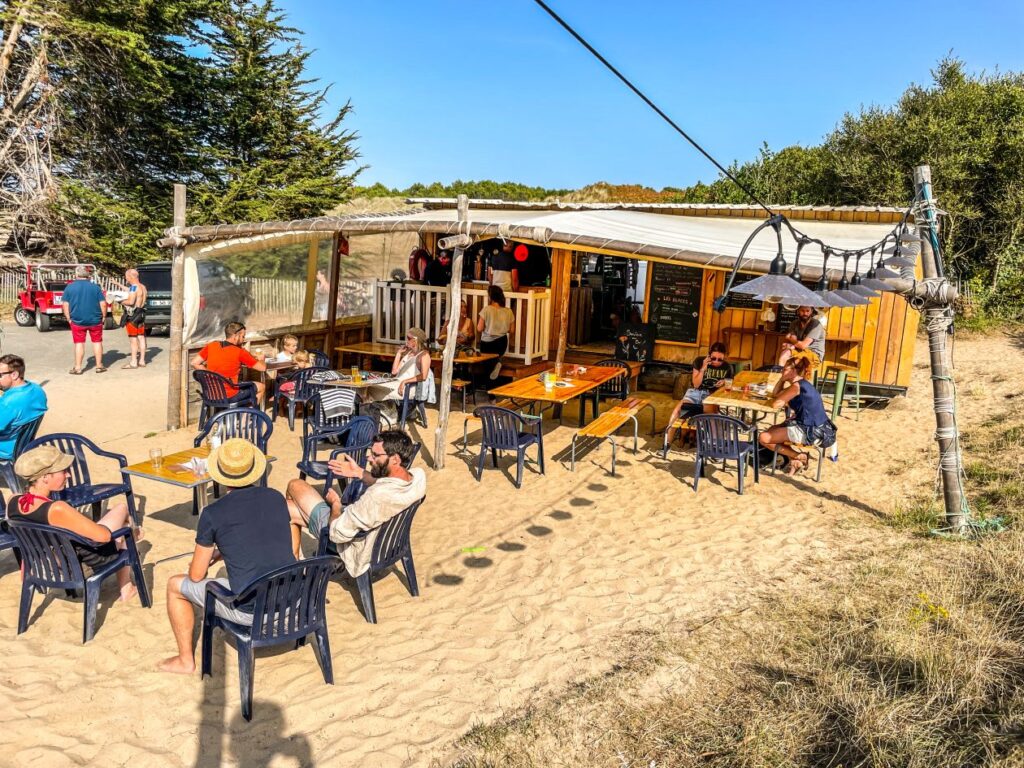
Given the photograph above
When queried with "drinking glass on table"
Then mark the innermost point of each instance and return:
(156, 457)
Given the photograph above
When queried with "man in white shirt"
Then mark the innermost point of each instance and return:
(390, 488)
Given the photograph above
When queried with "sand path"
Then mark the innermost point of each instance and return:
(521, 592)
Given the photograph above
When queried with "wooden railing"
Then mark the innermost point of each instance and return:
(397, 307)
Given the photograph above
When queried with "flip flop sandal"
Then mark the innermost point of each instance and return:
(75, 372)
(101, 369)
(128, 365)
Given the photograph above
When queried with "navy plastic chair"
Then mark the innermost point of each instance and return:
(617, 388)
(288, 605)
(718, 439)
(213, 389)
(303, 392)
(319, 359)
(356, 433)
(23, 434)
(317, 422)
(391, 545)
(7, 540)
(411, 405)
(246, 423)
(505, 430)
(81, 491)
(52, 563)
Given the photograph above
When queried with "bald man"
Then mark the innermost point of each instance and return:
(135, 307)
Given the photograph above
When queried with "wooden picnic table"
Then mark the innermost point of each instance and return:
(387, 351)
(172, 472)
(577, 384)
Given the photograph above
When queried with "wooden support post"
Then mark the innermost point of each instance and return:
(565, 281)
(312, 259)
(339, 245)
(448, 358)
(938, 318)
(177, 400)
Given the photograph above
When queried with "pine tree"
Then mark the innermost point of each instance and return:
(274, 157)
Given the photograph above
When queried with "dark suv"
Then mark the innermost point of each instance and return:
(222, 296)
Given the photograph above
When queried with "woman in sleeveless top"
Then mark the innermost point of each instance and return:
(45, 470)
(410, 368)
(496, 325)
(808, 423)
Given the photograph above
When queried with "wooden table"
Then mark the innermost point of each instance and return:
(578, 385)
(171, 472)
(347, 383)
(758, 407)
(387, 351)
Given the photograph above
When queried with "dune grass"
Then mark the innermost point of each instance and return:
(908, 652)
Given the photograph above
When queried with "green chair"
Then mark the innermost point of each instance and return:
(838, 374)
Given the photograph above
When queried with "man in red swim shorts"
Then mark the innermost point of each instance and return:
(85, 306)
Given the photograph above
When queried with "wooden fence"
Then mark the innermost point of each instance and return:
(273, 296)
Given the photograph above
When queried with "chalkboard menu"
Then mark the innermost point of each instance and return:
(742, 300)
(674, 302)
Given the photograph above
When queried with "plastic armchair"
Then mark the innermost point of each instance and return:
(319, 359)
(410, 404)
(303, 391)
(391, 543)
(80, 490)
(247, 423)
(51, 562)
(22, 434)
(288, 605)
(7, 540)
(358, 431)
(505, 430)
(719, 439)
(214, 389)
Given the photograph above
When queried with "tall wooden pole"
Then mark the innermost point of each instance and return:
(448, 358)
(938, 317)
(176, 385)
(564, 282)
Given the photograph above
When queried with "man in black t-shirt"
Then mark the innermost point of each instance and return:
(248, 528)
(502, 271)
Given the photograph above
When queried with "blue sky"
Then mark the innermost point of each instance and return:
(494, 89)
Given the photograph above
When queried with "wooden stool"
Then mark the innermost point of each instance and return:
(461, 385)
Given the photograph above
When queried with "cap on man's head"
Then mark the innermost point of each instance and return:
(41, 460)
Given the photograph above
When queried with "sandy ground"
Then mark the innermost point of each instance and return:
(521, 591)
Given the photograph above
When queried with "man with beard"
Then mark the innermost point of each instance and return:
(389, 487)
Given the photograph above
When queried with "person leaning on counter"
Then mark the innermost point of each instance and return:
(806, 334)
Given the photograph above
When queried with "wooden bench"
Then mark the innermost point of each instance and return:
(608, 423)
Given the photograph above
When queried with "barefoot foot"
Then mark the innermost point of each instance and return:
(177, 666)
(128, 591)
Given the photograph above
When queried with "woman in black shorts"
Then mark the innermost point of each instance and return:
(45, 470)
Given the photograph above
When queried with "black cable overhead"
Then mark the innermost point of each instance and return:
(801, 238)
(651, 104)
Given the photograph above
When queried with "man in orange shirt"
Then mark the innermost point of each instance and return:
(227, 358)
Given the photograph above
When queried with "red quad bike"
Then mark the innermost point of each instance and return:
(42, 300)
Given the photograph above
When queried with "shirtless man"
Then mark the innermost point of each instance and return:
(134, 305)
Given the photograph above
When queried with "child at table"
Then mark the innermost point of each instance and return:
(302, 360)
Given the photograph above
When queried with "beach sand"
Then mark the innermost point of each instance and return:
(522, 592)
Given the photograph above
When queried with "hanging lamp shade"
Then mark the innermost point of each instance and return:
(853, 299)
(900, 261)
(877, 285)
(835, 300)
(862, 290)
(781, 289)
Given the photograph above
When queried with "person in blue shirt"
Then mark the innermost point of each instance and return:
(85, 306)
(21, 402)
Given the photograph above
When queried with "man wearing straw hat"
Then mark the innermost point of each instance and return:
(248, 529)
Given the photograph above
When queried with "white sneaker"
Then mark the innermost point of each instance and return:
(496, 371)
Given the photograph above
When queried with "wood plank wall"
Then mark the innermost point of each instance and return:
(887, 327)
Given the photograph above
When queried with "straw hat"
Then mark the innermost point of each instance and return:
(40, 461)
(419, 335)
(236, 463)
